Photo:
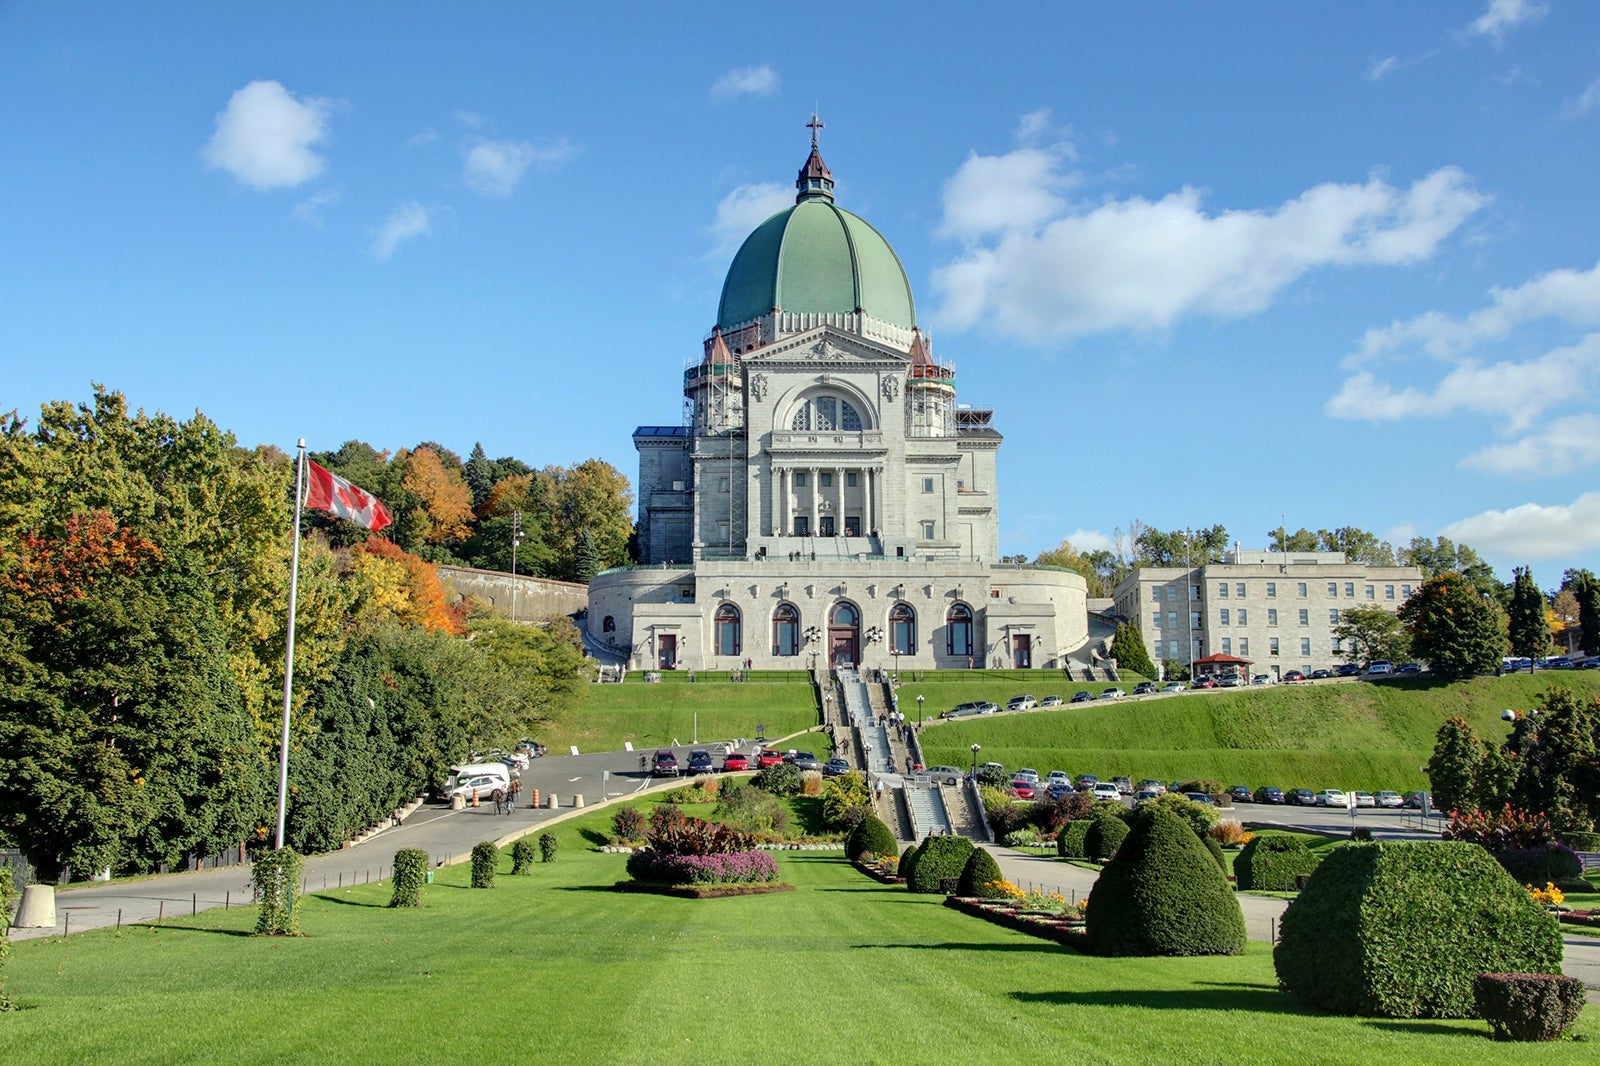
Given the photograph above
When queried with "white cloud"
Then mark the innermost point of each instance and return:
(427, 136)
(309, 210)
(741, 211)
(1566, 444)
(495, 167)
(1533, 531)
(1381, 68)
(746, 81)
(1089, 540)
(1040, 268)
(1585, 102)
(265, 137)
(1504, 15)
(407, 221)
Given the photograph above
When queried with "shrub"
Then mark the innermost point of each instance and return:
(549, 845)
(1551, 862)
(410, 873)
(938, 858)
(524, 853)
(1228, 831)
(1003, 812)
(1021, 838)
(810, 782)
(1163, 895)
(845, 798)
(702, 791)
(1215, 850)
(277, 884)
(1199, 816)
(664, 820)
(720, 868)
(981, 877)
(694, 836)
(1358, 941)
(8, 891)
(908, 861)
(1271, 864)
(752, 810)
(1204, 784)
(1070, 841)
(1508, 828)
(628, 824)
(1361, 834)
(1528, 1006)
(780, 779)
(994, 776)
(1049, 815)
(485, 858)
(870, 839)
(1106, 834)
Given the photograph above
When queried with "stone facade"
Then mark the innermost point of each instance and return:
(1276, 609)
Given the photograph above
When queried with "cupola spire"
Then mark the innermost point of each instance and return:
(815, 180)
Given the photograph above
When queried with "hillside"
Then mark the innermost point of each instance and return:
(652, 715)
(1353, 734)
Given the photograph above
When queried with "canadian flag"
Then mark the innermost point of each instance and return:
(330, 492)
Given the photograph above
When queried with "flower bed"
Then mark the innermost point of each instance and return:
(703, 891)
(1063, 929)
(879, 874)
(719, 868)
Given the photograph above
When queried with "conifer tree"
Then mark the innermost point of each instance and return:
(1530, 630)
(586, 556)
(1127, 647)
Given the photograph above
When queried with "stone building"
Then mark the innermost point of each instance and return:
(826, 498)
(1277, 609)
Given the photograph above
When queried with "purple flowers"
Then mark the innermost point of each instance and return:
(724, 868)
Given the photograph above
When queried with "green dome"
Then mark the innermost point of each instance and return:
(815, 258)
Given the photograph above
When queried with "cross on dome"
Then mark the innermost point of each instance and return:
(814, 125)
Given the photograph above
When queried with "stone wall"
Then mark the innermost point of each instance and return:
(536, 597)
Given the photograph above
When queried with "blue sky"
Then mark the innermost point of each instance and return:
(1333, 262)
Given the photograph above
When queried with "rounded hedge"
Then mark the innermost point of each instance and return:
(908, 862)
(410, 874)
(1535, 866)
(869, 839)
(1069, 842)
(1215, 851)
(1163, 895)
(938, 858)
(485, 859)
(979, 876)
(1271, 864)
(1106, 833)
(1402, 929)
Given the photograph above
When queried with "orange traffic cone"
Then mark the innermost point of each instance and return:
(474, 797)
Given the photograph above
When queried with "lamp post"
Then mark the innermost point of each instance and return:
(919, 714)
(516, 539)
(975, 749)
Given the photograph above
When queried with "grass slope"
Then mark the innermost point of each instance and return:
(554, 968)
(1311, 736)
(651, 715)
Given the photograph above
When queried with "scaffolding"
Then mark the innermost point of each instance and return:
(713, 411)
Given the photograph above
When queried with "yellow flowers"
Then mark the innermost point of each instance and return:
(1549, 895)
(1006, 889)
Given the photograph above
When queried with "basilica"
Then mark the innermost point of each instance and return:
(826, 499)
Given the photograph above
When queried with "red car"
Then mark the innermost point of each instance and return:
(767, 758)
(1294, 675)
(1022, 788)
(735, 762)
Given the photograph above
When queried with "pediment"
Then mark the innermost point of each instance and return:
(826, 347)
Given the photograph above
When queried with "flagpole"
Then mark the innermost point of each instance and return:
(288, 653)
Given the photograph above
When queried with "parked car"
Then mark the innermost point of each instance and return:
(1294, 675)
(1332, 797)
(665, 764)
(1056, 789)
(1365, 799)
(967, 710)
(1052, 701)
(943, 775)
(768, 757)
(1172, 686)
(1144, 688)
(1145, 794)
(835, 768)
(1230, 681)
(1105, 790)
(1082, 697)
(700, 762)
(804, 760)
(1028, 774)
(1124, 785)
(1022, 788)
(1058, 775)
(1415, 800)
(1269, 794)
(737, 762)
(1241, 794)
(1085, 782)
(1150, 784)
(1347, 670)
(1302, 797)
(1380, 666)
(1202, 798)
(484, 785)
(1203, 682)
(1261, 679)
(1320, 675)
(1112, 693)
(1390, 799)
(1416, 668)
(1021, 703)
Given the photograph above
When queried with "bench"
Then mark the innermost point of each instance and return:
(1590, 859)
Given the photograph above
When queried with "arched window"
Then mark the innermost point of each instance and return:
(958, 630)
(902, 630)
(727, 626)
(826, 414)
(608, 624)
(786, 630)
(844, 614)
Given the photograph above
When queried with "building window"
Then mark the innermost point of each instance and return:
(1227, 646)
(722, 484)
(799, 479)
(927, 531)
(1336, 649)
(786, 630)
(1333, 589)
(1272, 616)
(1388, 592)
(1242, 619)
(825, 480)
(902, 630)
(849, 481)
(722, 529)
(608, 624)
(1194, 619)
(927, 486)
(1272, 590)
(1405, 592)
(958, 630)
(1272, 645)
(1244, 645)
(1238, 590)
(1224, 617)
(1172, 619)
(1305, 617)
(1222, 590)
(1370, 593)
(1349, 590)
(1155, 620)
(802, 525)
(1172, 649)
(1305, 645)
(1301, 588)
(1194, 592)
(727, 630)
(1333, 617)
(826, 414)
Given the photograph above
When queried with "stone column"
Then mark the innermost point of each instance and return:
(871, 510)
(815, 489)
(780, 502)
(838, 483)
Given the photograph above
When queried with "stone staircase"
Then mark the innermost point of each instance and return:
(928, 814)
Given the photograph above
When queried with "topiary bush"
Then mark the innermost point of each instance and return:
(410, 874)
(1535, 866)
(277, 884)
(1163, 895)
(549, 845)
(1271, 864)
(1215, 850)
(1200, 816)
(908, 861)
(938, 858)
(1106, 834)
(870, 839)
(980, 876)
(1403, 929)
(485, 857)
(1069, 844)
(524, 853)
(1528, 1006)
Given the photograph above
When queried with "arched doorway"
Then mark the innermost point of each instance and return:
(844, 635)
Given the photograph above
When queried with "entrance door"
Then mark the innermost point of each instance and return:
(841, 649)
(852, 525)
(1021, 651)
(844, 636)
(825, 526)
(667, 651)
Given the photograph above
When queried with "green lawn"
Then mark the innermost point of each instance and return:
(651, 715)
(946, 688)
(554, 968)
(1353, 735)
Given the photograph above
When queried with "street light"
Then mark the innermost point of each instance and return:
(516, 539)
(975, 749)
(919, 714)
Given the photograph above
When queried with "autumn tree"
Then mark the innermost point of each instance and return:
(595, 496)
(1528, 628)
(442, 493)
(1453, 626)
(1067, 557)
(1370, 632)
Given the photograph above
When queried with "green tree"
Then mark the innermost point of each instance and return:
(586, 557)
(1453, 768)
(1529, 629)
(1370, 632)
(595, 496)
(1557, 754)
(1586, 588)
(479, 475)
(1067, 557)
(1443, 556)
(1127, 647)
(1180, 547)
(1453, 626)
